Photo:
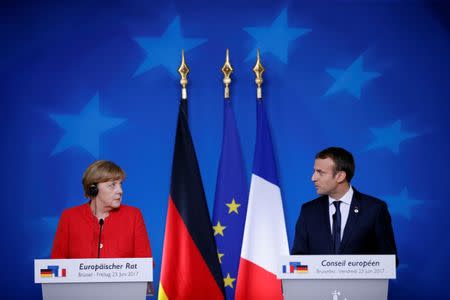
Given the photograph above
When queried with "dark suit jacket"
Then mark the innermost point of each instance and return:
(368, 229)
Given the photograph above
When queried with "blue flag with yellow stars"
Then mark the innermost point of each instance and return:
(230, 204)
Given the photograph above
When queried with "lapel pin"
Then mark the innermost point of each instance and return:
(356, 210)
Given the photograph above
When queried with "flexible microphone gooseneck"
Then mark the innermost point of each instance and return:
(100, 222)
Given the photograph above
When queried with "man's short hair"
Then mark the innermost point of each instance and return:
(101, 171)
(343, 160)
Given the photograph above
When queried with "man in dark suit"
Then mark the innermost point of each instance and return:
(342, 220)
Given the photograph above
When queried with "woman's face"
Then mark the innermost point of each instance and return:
(109, 194)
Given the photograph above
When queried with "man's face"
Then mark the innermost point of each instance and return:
(325, 181)
(110, 193)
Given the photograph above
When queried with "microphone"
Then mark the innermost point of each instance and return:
(100, 222)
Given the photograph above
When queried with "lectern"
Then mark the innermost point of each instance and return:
(121, 278)
(336, 277)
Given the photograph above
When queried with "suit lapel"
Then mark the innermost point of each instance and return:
(326, 221)
(353, 216)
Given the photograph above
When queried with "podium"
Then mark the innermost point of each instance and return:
(336, 277)
(115, 278)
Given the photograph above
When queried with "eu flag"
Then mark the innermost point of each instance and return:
(230, 204)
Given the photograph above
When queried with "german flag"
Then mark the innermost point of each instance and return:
(190, 266)
(301, 269)
(46, 273)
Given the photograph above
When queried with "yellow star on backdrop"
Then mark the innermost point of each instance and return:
(220, 256)
(233, 207)
(228, 281)
(218, 229)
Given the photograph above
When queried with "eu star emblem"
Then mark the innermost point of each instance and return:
(390, 137)
(275, 38)
(165, 50)
(351, 79)
(84, 129)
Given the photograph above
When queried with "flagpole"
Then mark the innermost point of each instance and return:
(258, 266)
(183, 70)
(189, 251)
(227, 69)
(259, 70)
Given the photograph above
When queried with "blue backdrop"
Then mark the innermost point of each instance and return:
(97, 80)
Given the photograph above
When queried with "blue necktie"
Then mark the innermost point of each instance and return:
(337, 227)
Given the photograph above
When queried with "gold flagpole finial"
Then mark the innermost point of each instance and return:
(183, 70)
(227, 69)
(259, 70)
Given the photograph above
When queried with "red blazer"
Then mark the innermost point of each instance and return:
(123, 234)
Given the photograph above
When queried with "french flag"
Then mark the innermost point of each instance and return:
(265, 238)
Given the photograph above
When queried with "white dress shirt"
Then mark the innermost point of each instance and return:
(346, 200)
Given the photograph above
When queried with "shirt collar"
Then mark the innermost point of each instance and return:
(347, 198)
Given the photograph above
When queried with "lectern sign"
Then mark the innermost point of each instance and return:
(337, 267)
(93, 270)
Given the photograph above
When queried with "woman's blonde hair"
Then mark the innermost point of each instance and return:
(101, 171)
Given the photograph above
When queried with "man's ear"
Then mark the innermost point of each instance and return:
(341, 176)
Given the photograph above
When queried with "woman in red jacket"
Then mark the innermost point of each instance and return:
(103, 227)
